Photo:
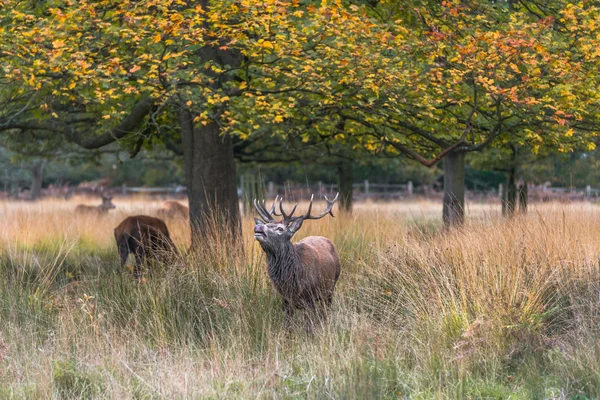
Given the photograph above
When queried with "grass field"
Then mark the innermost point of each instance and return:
(497, 309)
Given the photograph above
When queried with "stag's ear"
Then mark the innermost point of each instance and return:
(258, 221)
(295, 225)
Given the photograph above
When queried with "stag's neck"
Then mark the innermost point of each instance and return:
(284, 265)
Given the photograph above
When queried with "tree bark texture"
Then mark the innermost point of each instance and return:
(37, 174)
(511, 194)
(454, 189)
(211, 180)
(345, 185)
(523, 198)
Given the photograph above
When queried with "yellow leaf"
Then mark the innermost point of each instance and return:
(278, 118)
(157, 38)
(107, 116)
(57, 44)
(569, 133)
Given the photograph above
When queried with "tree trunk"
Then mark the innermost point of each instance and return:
(511, 194)
(211, 180)
(209, 163)
(454, 189)
(523, 198)
(37, 174)
(345, 185)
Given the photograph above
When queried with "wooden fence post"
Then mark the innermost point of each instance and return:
(523, 195)
(271, 189)
(588, 192)
(251, 189)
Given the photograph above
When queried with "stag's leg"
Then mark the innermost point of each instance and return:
(137, 268)
(328, 298)
(123, 251)
(140, 260)
(325, 305)
(311, 316)
(288, 309)
(166, 251)
(152, 254)
(322, 311)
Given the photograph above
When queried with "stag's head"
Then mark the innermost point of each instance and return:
(271, 233)
(107, 203)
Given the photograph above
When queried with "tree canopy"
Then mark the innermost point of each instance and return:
(418, 79)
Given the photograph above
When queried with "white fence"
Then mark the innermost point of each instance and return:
(364, 190)
(252, 188)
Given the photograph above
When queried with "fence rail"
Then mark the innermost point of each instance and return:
(252, 187)
(362, 190)
(154, 190)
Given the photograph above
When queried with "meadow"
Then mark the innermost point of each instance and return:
(497, 309)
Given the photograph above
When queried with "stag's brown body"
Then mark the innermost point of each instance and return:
(173, 209)
(103, 208)
(146, 237)
(304, 273)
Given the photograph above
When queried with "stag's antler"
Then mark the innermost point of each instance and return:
(289, 218)
(286, 218)
(266, 215)
(328, 210)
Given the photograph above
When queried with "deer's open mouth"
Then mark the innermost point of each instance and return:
(259, 235)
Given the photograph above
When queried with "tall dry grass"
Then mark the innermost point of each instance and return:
(495, 309)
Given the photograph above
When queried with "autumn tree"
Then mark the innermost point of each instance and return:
(102, 72)
(478, 74)
(448, 79)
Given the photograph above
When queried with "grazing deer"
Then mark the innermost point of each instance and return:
(101, 209)
(173, 209)
(305, 272)
(147, 238)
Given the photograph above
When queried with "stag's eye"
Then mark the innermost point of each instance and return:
(279, 229)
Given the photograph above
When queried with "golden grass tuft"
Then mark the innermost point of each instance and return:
(498, 308)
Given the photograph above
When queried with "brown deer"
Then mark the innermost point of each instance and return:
(147, 238)
(103, 208)
(173, 209)
(303, 273)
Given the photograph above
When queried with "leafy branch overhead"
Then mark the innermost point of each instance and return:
(433, 78)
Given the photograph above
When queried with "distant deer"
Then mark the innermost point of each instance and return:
(101, 209)
(173, 209)
(147, 238)
(303, 273)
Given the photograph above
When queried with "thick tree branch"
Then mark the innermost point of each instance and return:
(127, 126)
(422, 160)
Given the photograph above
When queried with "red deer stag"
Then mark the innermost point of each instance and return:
(147, 238)
(97, 210)
(173, 209)
(305, 272)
